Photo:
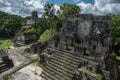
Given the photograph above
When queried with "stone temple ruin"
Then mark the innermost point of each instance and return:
(80, 51)
(26, 38)
(5, 62)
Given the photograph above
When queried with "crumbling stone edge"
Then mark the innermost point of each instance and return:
(6, 76)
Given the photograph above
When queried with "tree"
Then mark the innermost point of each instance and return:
(115, 33)
(52, 20)
(49, 10)
(42, 24)
(49, 13)
(10, 24)
(68, 9)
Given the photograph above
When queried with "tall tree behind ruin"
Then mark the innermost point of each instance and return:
(67, 9)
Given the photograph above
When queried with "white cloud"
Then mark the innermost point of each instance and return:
(25, 7)
(56, 7)
(22, 7)
(101, 7)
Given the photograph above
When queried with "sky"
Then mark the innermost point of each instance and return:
(25, 7)
(59, 2)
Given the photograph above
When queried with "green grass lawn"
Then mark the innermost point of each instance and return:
(5, 44)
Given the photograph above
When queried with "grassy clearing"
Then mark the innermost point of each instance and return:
(5, 44)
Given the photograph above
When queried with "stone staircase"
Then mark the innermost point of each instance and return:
(21, 30)
(62, 66)
(4, 67)
(5, 62)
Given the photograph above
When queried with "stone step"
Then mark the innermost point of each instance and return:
(68, 55)
(64, 65)
(64, 61)
(2, 65)
(4, 69)
(61, 66)
(63, 56)
(45, 77)
(48, 75)
(57, 72)
(60, 71)
(47, 69)
(77, 56)
(72, 53)
(84, 58)
(68, 58)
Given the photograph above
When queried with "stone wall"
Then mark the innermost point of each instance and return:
(85, 33)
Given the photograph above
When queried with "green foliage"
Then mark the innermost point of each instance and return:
(47, 35)
(31, 30)
(45, 23)
(68, 9)
(51, 22)
(10, 24)
(115, 32)
(49, 10)
(42, 24)
(5, 44)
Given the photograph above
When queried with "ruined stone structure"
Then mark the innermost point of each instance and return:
(33, 20)
(5, 62)
(26, 38)
(81, 49)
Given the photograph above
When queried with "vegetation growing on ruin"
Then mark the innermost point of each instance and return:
(47, 35)
(5, 44)
(51, 22)
(31, 30)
